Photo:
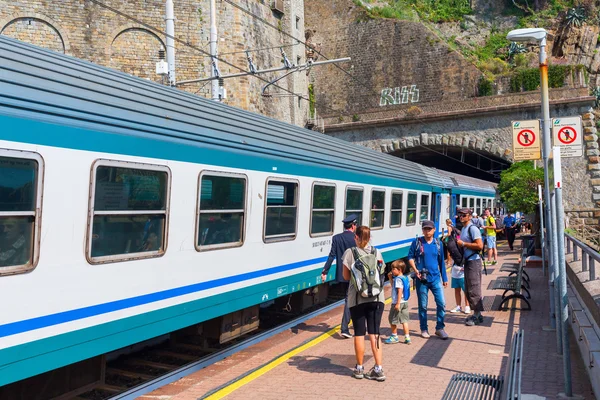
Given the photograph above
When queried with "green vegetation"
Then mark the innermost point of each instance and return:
(493, 44)
(518, 186)
(548, 10)
(526, 79)
(496, 57)
(426, 10)
(484, 87)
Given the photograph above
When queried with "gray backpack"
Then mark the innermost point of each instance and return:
(367, 273)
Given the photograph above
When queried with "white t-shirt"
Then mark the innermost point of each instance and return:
(458, 272)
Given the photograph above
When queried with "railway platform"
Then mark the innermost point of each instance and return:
(312, 361)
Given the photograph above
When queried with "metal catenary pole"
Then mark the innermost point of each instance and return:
(541, 204)
(213, 50)
(170, 22)
(563, 274)
(556, 291)
(545, 156)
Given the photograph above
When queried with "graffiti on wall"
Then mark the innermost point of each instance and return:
(399, 95)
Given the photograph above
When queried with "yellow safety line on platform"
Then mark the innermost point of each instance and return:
(283, 358)
(235, 386)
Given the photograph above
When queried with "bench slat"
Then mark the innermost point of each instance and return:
(473, 386)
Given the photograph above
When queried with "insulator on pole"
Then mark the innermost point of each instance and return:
(251, 66)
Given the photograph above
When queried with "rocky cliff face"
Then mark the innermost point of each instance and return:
(578, 45)
(393, 62)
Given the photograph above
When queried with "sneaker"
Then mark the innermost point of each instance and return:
(480, 318)
(392, 340)
(494, 262)
(441, 334)
(455, 310)
(425, 335)
(358, 372)
(473, 320)
(467, 310)
(374, 375)
(346, 335)
(406, 340)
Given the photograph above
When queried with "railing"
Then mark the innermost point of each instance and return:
(587, 234)
(589, 256)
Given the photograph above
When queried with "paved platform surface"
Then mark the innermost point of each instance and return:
(421, 370)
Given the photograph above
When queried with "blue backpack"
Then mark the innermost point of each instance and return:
(406, 288)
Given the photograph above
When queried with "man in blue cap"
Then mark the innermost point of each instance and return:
(426, 258)
(510, 225)
(339, 244)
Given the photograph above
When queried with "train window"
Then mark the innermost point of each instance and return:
(323, 209)
(396, 215)
(222, 207)
(424, 207)
(354, 203)
(20, 203)
(472, 203)
(411, 209)
(129, 211)
(464, 202)
(377, 209)
(478, 206)
(281, 210)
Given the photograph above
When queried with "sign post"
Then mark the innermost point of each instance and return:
(567, 135)
(562, 282)
(526, 140)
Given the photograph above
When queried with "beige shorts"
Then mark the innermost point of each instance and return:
(399, 317)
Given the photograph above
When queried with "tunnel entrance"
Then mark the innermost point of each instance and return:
(460, 160)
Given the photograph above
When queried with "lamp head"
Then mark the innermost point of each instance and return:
(527, 35)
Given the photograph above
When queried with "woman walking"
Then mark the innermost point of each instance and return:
(361, 264)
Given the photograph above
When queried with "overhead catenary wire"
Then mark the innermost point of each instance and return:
(259, 50)
(148, 26)
(264, 21)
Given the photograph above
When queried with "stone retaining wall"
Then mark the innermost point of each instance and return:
(86, 30)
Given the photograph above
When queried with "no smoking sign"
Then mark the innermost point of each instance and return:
(526, 140)
(566, 134)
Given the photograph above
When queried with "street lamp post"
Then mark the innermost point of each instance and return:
(539, 35)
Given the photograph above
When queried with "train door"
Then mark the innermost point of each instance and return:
(436, 208)
(452, 209)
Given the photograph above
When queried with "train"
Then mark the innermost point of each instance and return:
(130, 210)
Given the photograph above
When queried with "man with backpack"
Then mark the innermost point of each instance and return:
(339, 244)
(470, 241)
(426, 258)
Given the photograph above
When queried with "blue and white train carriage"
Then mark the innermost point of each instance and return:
(129, 210)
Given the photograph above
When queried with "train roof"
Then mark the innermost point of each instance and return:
(43, 85)
(462, 184)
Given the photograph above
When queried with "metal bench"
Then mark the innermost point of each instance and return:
(513, 269)
(515, 284)
(465, 386)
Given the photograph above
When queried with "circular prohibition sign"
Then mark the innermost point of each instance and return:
(567, 135)
(526, 137)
